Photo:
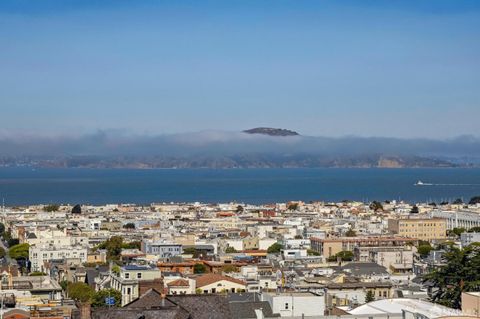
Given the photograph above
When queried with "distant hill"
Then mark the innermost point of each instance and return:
(256, 148)
(271, 131)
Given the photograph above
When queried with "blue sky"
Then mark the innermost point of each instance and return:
(367, 68)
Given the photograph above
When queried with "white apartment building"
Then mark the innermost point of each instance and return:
(458, 219)
(129, 279)
(162, 249)
(295, 304)
(54, 237)
(41, 253)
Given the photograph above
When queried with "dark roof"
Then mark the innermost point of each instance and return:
(246, 310)
(92, 273)
(122, 313)
(196, 306)
(204, 306)
(150, 299)
(244, 297)
(363, 268)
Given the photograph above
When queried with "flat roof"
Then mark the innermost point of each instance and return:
(397, 305)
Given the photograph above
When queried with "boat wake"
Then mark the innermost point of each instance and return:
(420, 183)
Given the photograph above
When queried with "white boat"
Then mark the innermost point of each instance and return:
(420, 183)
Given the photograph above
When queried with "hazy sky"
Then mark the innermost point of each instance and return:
(368, 68)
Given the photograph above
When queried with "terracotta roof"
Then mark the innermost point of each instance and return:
(208, 279)
(179, 283)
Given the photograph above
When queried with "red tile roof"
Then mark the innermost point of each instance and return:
(208, 279)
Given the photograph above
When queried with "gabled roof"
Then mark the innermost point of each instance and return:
(178, 307)
(152, 298)
(208, 279)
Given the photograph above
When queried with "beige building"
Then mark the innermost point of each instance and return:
(181, 286)
(471, 303)
(423, 229)
(331, 246)
(215, 283)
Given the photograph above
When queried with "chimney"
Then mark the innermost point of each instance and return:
(85, 309)
(259, 313)
(163, 295)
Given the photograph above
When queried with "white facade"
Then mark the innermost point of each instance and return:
(296, 304)
(468, 238)
(458, 219)
(289, 254)
(39, 254)
(162, 249)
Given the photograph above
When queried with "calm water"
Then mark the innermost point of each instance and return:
(98, 186)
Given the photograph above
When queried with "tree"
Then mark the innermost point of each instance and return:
(12, 242)
(274, 248)
(460, 272)
(2, 252)
(19, 251)
(457, 231)
(239, 209)
(80, 291)
(230, 250)
(129, 226)
(189, 250)
(132, 245)
(474, 229)
(2, 228)
(312, 252)
(77, 209)
(424, 250)
(64, 284)
(116, 269)
(370, 296)
(376, 206)
(458, 201)
(229, 268)
(350, 233)
(343, 255)
(292, 206)
(51, 208)
(199, 269)
(414, 210)
(37, 273)
(114, 247)
(474, 200)
(298, 237)
(98, 299)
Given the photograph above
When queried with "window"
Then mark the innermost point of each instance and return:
(127, 275)
(139, 275)
(286, 306)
